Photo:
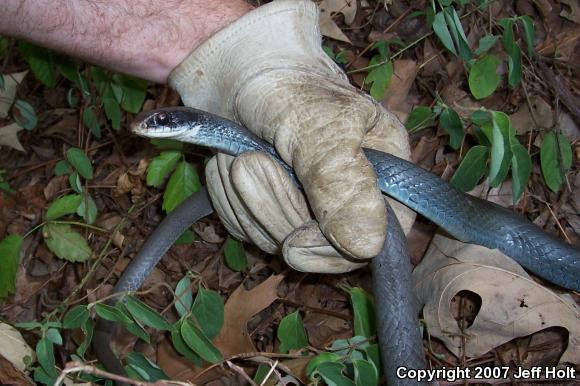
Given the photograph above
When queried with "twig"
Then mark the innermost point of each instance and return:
(79, 367)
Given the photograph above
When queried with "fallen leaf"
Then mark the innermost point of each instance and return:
(346, 7)
(10, 375)
(458, 100)
(7, 95)
(512, 304)
(13, 347)
(9, 136)
(523, 121)
(239, 309)
(564, 43)
(501, 195)
(574, 13)
(404, 73)
(328, 26)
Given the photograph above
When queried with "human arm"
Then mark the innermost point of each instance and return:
(142, 38)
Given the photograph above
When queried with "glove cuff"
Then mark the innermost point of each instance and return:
(281, 34)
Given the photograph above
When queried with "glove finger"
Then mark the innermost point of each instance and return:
(216, 179)
(269, 194)
(390, 136)
(239, 219)
(307, 250)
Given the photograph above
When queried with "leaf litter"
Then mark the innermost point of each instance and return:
(422, 73)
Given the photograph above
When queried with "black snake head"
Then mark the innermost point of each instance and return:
(174, 123)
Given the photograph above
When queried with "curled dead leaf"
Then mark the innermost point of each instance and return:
(512, 304)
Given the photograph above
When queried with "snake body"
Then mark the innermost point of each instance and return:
(467, 218)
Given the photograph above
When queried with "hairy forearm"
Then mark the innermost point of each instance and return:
(145, 38)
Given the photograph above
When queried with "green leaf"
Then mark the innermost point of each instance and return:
(29, 325)
(183, 183)
(291, 333)
(379, 77)
(450, 121)
(76, 317)
(166, 143)
(529, 33)
(180, 345)
(186, 237)
(87, 208)
(161, 166)
(332, 374)
(458, 34)
(45, 356)
(24, 114)
(88, 328)
(321, 358)
(41, 62)
(373, 354)
(62, 167)
(515, 67)
(501, 154)
(555, 159)
(54, 336)
(442, 31)
(68, 67)
(113, 314)
(66, 243)
(183, 296)
(134, 92)
(147, 315)
(151, 371)
(420, 118)
(472, 168)
(138, 331)
(64, 205)
(72, 97)
(521, 168)
(112, 107)
(483, 78)
(208, 309)
(80, 162)
(365, 373)
(91, 121)
(486, 43)
(10, 248)
(364, 312)
(199, 343)
(508, 40)
(235, 254)
(480, 117)
(75, 182)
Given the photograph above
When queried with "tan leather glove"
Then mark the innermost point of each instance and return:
(259, 203)
(268, 72)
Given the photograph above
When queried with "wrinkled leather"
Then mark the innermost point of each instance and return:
(268, 72)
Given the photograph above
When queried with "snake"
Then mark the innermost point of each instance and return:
(467, 218)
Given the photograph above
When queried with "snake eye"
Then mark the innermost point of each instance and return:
(162, 118)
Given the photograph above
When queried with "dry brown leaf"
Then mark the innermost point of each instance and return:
(8, 93)
(564, 43)
(328, 26)
(346, 7)
(574, 13)
(501, 195)
(239, 309)
(512, 304)
(523, 121)
(10, 375)
(459, 100)
(404, 73)
(13, 347)
(9, 136)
